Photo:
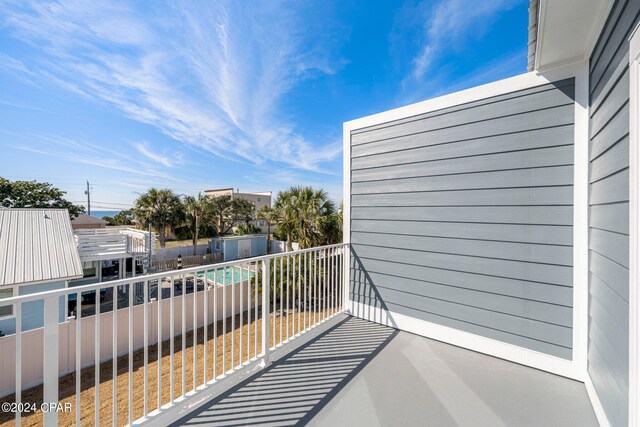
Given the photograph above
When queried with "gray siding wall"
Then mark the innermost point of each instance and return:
(463, 217)
(608, 354)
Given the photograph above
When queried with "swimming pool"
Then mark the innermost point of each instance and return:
(232, 275)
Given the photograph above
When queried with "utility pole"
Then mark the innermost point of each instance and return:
(88, 193)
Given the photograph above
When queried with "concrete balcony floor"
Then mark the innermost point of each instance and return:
(351, 372)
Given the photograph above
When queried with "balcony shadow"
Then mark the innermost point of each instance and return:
(295, 388)
(366, 300)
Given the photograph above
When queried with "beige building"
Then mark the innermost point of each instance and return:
(259, 200)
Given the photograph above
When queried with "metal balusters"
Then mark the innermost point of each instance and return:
(130, 357)
(215, 323)
(273, 302)
(233, 318)
(304, 300)
(224, 320)
(183, 339)
(159, 342)
(248, 312)
(281, 299)
(18, 309)
(299, 262)
(146, 346)
(255, 322)
(171, 340)
(194, 333)
(114, 342)
(294, 311)
(97, 360)
(309, 280)
(241, 315)
(205, 310)
(287, 289)
(78, 353)
(315, 287)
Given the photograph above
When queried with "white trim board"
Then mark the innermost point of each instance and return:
(634, 229)
(509, 352)
(500, 87)
(595, 403)
(580, 327)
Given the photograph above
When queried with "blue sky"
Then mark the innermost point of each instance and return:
(210, 94)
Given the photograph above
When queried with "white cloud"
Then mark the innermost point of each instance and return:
(211, 75)
(449, 24)
(143, 148)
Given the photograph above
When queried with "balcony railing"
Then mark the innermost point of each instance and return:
(98, 244)
(173, 334)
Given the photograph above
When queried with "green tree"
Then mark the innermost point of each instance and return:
(305, 214)
(160, 208)
(124, 217)
(228, 211)
(246, 228)
(270, 215)
(198, 215)
(33, 194)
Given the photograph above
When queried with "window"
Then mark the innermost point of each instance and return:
(6, 310)
(217, 245)
(89, 269)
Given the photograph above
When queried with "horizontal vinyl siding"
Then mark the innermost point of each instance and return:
(463, 217)
(608, 358)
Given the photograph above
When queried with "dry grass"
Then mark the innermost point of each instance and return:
(176, 243)
(67, 390)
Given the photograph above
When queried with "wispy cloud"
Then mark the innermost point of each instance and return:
(213, 76)
(87, 153)
(449, 24)
(144, 149)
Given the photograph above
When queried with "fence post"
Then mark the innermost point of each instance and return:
(51, 344)
(266, 339)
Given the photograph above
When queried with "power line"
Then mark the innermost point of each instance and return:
(103, 202)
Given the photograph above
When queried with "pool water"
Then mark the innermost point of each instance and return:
(225, 278)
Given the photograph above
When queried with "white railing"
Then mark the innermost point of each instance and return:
(103, 243)
(173, 334)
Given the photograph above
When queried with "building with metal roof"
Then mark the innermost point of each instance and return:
(36, 246)
(87, 222)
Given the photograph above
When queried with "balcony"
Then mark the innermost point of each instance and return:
(231, 354)
(105, 244)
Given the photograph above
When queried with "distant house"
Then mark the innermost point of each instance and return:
(239, 247)
(259, 200)
(87, 222)
(38, 253)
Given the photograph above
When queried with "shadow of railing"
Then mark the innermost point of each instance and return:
(367, 303)
(295, 388)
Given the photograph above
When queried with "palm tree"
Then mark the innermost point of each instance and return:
(198, 213)
(302, 212)
(285, 209)
(270, 215)
(246, 228)
(159, 208)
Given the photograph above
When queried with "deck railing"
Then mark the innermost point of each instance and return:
(172, 334)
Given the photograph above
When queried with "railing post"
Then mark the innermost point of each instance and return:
(51, 343)
(266, 288)
(346, 276)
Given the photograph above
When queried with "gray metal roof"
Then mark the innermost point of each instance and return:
(37, 245)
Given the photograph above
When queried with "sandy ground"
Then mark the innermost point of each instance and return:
(67, 390)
